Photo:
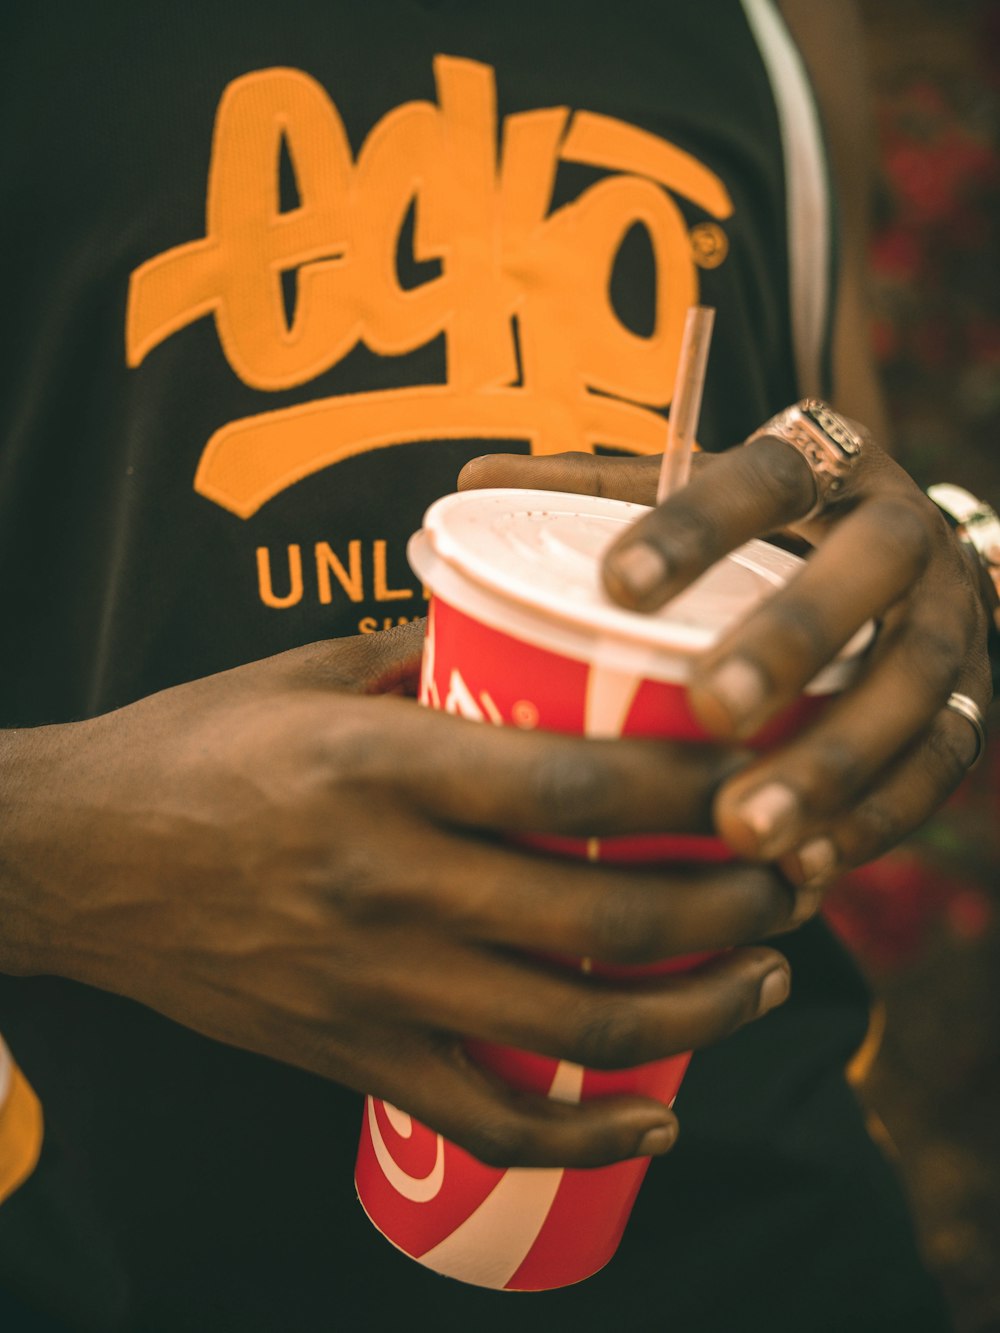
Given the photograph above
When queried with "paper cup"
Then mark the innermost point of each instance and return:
(520, 633)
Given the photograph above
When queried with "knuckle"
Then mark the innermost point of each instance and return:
(610, 1036)
(572, 791)
(622, 932)
(588, 466)
(876, 827)
(357, 884)
(907, 521)
(355, 751)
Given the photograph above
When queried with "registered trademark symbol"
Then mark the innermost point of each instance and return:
(525, 714)
(709, 244)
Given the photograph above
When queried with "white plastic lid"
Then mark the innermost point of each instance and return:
(529, 563)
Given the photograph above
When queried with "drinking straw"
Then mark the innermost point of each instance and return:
(689, 384)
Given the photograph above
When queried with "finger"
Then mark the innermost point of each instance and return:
(568, 1015)
(631, 479)
(755, 489)
(437, 1082)
(829, 767)
(894, 808)
(622, 915)
(502, 779)
(500, 894)
(867, 563)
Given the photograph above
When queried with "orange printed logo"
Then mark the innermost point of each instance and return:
(534, 347)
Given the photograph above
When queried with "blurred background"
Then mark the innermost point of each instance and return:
(926, 919)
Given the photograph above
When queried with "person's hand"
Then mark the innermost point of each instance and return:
(287, 858)
(888, 751)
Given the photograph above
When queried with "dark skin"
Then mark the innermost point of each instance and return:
(293, 858)
(881, 758)
(888, 753)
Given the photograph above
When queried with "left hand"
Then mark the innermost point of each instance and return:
(887, 752)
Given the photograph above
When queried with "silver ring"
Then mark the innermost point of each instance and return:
(977, 527)
(828, 443)
(970, 710)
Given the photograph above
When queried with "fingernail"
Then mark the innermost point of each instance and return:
(817, 861)
(657, 1140)
(769, 811)
(774, 990)
(739, 687)
(640, 568)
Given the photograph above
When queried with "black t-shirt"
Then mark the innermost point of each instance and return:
(274, 274)
(273, 278)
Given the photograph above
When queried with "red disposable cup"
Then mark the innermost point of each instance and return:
(520, 634)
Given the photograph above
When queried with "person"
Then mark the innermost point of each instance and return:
(275, 277)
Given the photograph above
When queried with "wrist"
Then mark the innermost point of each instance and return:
(35, 767)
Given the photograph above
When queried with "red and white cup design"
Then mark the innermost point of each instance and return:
(519, 634)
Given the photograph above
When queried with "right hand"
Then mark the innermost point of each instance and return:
(286, 858)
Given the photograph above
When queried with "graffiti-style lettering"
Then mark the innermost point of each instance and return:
(534, 347)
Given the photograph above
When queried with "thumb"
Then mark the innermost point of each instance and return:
(584, 474)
